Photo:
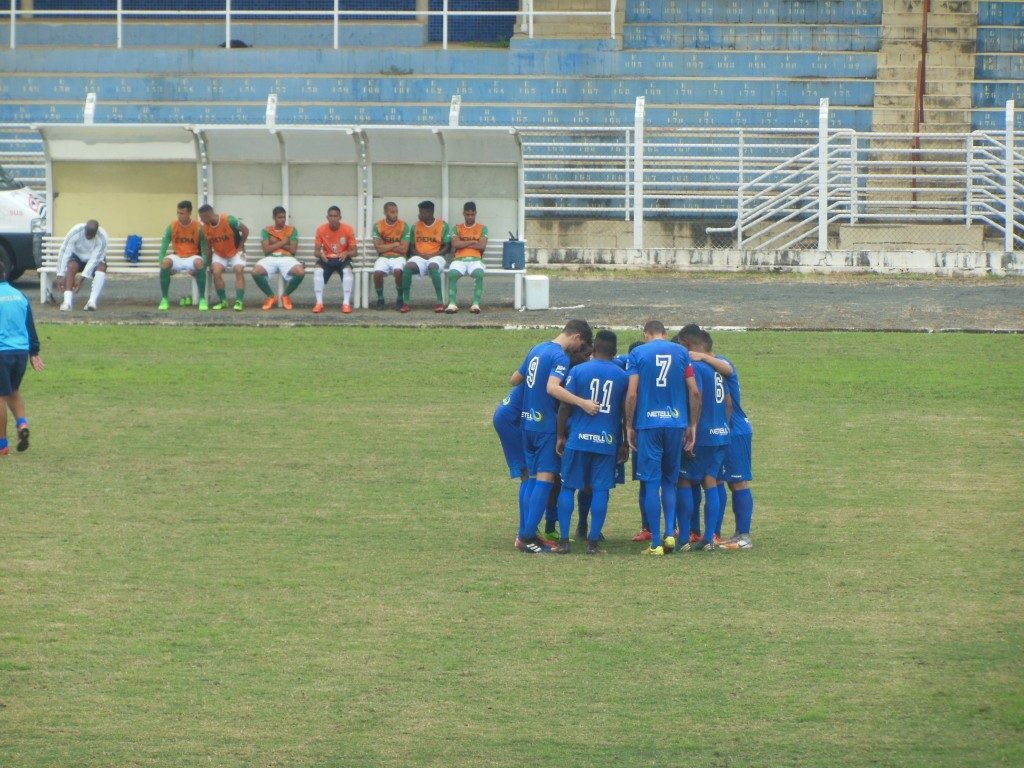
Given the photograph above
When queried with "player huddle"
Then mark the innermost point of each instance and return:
(576, 409)
(216, 241)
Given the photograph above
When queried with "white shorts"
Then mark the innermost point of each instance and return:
(388, 264)
(467, 266)
(184, 263)
(238, 260)
(424, 264)
(276, 264)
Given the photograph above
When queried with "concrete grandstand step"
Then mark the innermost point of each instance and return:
(209, 34)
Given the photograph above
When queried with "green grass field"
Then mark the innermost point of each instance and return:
(294, 547)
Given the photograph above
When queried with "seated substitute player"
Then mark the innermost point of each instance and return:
(736, 469)
(542, 370)
(184, 236)
(334, 246)
(83, 256)
(431, 240)
(391, 237)
(591, 445)
(661, 408)
(280, 242)
(468, 243)
(704, 463)
(224, 249)
(19, 348)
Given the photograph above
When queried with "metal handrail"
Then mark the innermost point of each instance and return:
(228, 13)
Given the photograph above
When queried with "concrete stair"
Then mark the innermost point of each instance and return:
(949, 66)
(580, 27)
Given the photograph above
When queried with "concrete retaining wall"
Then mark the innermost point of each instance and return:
(882, 262)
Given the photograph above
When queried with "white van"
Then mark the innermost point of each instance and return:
(22, 223)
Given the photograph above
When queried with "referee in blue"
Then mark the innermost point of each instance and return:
(19, 346)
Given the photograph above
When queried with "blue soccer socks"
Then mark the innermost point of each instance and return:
(743, 508)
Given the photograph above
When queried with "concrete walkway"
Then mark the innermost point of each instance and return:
(616, 299)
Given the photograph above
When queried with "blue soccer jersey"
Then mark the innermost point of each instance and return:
(539, 408)
(713, 428)
(603, 382)
(739, 424)
(510, 410)
(661, 392)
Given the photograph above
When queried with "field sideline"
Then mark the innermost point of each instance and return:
(292, 546)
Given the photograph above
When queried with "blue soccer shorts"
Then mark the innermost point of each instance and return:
(539, 450)
(707, 460)
(737, 465)
(583, 469)
(658, 454)
(511, 438)
(12, 371)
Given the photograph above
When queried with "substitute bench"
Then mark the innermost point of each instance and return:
(362, 266)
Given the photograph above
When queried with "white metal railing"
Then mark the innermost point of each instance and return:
(863, 178)
(527, 16)
(770, 188)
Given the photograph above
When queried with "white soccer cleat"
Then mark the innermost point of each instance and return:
(90, 307)
(475, 309)
(451, 309)
(65, 307)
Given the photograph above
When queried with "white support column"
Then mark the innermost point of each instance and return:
(444, 174)
(14, 23)
(211, 187)
(89, 114)
(200, 162)
(271, 115)
(1008, 219)
(823, 175)
(444, 28)
(335, 25)
(120, 24)
(521, 191)
(453, 111)
(285, 171)
(638, 172)
(227, 24)
(611, 21)
(365, 227)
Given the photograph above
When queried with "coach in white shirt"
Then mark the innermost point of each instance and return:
(83, 254)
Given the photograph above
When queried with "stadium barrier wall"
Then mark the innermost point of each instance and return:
(952, 263)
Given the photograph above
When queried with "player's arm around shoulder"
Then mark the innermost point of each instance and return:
(720, 366)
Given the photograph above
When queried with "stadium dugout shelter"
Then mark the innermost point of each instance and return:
(131, 178)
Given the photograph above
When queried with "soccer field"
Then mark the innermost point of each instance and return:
(293, 546)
